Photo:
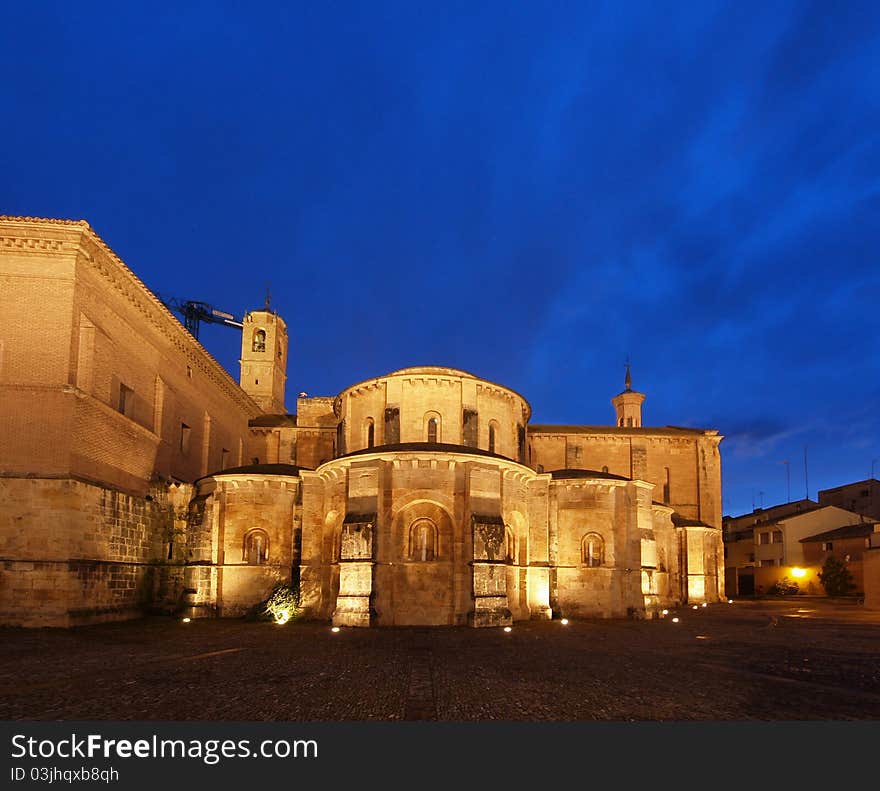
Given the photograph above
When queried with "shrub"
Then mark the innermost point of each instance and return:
(281, 606)
(784, 587)
(836, 578)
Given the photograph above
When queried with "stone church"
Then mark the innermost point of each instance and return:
(137, 476)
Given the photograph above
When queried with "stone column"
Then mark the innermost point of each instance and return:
(491, 607)
(355, 571)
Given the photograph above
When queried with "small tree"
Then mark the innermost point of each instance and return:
(836, 578)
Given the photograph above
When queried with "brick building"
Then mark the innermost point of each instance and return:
(135, 473)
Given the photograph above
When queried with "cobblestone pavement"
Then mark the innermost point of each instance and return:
(800, 658)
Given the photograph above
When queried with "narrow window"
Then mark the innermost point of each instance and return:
(592, 550)
(827, 546)
(777, 537)
(184, 438)
(422, 540)
(224, 459)
(492, 437)
(256, 547)
(126, 400)
(605, 468)
(469, 426)
(259, 341)
(432, 429)
(340, 438)
(371, 433)
(392, 426)
(629, 422)
(666, 487)
(521, 444)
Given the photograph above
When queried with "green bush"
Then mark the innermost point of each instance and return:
(282, 605)
(836, 578)
(784, 587)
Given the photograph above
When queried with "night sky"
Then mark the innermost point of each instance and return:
(533, 192)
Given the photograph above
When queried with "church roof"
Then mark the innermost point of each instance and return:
(683, 521)
(273, 421)
(586, 474)
(664, 430)
(441, 447)
(258, 469)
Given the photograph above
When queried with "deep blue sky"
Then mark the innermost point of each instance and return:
(532, 192)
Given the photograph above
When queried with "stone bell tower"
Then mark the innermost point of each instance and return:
(264, 359)
(628, 405)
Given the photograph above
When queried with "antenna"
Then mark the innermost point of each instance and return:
(787, 477)
(268, 296)
(806, 478)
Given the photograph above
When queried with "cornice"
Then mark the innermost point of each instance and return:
(103, 260)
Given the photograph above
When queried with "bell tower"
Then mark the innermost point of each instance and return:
(264, 359)
(628, 404)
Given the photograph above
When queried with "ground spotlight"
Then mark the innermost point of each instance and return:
(335, 629)
(564, 622)
(185, 620)
(665, 612)
(675, 620)
(507, 629)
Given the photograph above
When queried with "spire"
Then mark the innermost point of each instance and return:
(627, 382)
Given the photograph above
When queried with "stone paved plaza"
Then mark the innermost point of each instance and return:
(784, 659)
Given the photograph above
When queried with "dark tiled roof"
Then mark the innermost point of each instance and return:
(683, 521)
(644, 431)
(273, 421)
(440, 447)
(258, 469)
(847, 531)
(586, 474)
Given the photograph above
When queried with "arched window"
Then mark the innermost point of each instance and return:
(629, 422)
(370, 431)
(422, 540)
(493, 434)
(592, 550)
(620, 423)
(509, 545)
(605, 468)
(259, 343)
(432, 427)
(256, 547)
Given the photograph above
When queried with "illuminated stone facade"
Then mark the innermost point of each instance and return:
(137, 474)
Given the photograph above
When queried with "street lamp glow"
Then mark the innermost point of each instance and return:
(798, 572)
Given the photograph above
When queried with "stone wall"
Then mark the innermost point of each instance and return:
(74, 552)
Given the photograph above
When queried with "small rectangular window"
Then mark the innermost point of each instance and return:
(184, 438)
(777, 537)
(827, 546)
(224, 459)
(763, 538)
(126, 400)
